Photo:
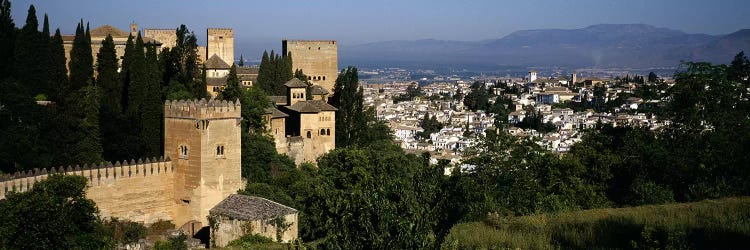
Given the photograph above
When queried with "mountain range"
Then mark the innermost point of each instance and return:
(602, 45)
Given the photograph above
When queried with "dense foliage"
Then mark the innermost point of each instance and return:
(274, 71)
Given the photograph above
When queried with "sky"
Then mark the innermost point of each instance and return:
(260, 24)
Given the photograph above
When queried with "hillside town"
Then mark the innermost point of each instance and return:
(563, 106)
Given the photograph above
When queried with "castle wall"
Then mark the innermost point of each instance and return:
(318, 59)
(167, 37)
(141, 192)
(221, 42)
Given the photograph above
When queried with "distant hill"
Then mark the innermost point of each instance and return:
(603, 45)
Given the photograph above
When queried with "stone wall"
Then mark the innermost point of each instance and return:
(318, 59)
(167, 37)
(228, 229)
(140, 191)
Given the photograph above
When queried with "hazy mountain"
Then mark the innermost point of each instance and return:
(603, 45)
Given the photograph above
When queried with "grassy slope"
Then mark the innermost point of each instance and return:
(722, 224)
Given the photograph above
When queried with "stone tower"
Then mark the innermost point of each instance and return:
(573, 78)
(318, 59)
(221, 43)
(134, 29)
(532, 75)
(203, 140)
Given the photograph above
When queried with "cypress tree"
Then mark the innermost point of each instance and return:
(348, 98)
(58, 73)
(138, 87)
(108, 78)
(110, 113)
(125, 71)
(27, 69)
(242, 61)
(232, 91)
(152, 111)
(7, 39)
(263, 73)
(88, 147)
(81, 60)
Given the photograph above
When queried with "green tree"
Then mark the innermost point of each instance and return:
(233, 91)
(242, 61)
(652, 78)
(7, 39)
(348, 98)
(81, 60)
(55, 213)
(28, 64)
(152, 110)
(58, 72)
(88, 146)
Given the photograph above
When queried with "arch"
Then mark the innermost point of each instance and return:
(322, 131)
(309, 134)
(324, 78)
(309, 77)
(328, 131)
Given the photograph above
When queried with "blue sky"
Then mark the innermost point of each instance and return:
(265, 23)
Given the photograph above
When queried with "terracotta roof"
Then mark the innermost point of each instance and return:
(275, 113)
(278, 99)
(250, 208)
(318, 90)
(215, 62)
(104, 30)
(295, 83)
(221, 81)
(312, 106)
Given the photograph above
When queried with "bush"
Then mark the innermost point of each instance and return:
(124, 231)
(716, 224)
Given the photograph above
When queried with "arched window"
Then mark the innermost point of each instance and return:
(328, 131)
(309, 78)
(322, 131)
(324, 78)
(302, 95)
(309, 135)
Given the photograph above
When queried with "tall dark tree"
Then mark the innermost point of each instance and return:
(58, 72)
(739, 69)
(264, 73)
(348, 98)
(242, 61)
(233, 91)
(7, 39)
(88, 146)
(152, 108)
(81, 60)
(28, 69)
(274, 71)
(108, 77)
(111, 119)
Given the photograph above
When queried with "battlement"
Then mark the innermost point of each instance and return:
(202, 109)
(309, 41)
(217, 31)
(97, 174)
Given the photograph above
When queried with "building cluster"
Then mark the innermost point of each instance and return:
(197, 179)
(549, 98)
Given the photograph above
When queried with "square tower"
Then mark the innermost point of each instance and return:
(318, 59)
(221, 43)
(203, 140)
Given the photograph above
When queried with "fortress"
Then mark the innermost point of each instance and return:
(200, 168)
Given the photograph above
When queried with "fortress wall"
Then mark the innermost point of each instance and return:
(167, 37)
(140, 191)
(202, 109)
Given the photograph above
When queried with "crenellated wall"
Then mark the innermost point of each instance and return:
(137, 190)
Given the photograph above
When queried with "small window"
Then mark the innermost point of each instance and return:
(309, 135)
(309, 78)
(302, 95)
(322, 131)
(183, 152)
(328, 131)
(318, 48)
(324, 78)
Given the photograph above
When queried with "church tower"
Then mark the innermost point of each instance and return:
(203, 140)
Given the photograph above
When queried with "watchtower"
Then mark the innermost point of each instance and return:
(203, 140)
(221, 43)
(318, 59)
